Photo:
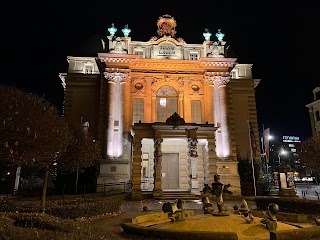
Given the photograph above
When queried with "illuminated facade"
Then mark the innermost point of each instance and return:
(168, 115)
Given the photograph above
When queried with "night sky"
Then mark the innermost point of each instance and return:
(279, 39)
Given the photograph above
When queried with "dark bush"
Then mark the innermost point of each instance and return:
(72, 209)
(43, 226)
(7, 205)
(289, 205)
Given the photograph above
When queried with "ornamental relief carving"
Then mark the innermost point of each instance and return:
(176, 82)
(116, 76)
(217, 80)
(196, 88)
(138, 86)
(178, 66)
(166, 71)
(115, 60)
(217, 64)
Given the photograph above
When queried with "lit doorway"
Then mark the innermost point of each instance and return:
(170, 171)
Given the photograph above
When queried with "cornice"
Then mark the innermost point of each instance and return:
(218, 62)
(167, 65)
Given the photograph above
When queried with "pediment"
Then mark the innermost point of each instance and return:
(168, 40)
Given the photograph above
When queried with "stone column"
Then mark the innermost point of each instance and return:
(212, 159)
(115, 124)
(221, 114)
(136, 193)
(221, 82)
(193, 155)
(157, 191)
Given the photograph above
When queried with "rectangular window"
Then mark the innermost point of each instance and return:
(234, 73)
(193, 56)
(139, 53)
(196, 111)
(242, 72)
(137, 110)
(88, 69)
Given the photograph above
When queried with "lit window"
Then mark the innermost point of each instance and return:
(234, 73)
(196, 111)
(166, 103)
(88, 68)
(137, 110)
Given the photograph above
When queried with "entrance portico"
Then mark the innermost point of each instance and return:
(178, 157)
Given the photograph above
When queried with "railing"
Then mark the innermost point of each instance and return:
(114, 188)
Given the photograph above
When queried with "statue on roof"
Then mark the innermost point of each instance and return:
(118, 46)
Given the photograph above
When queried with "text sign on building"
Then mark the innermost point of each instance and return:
(166, 51)
(290, 139)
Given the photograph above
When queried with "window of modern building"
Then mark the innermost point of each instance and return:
(196, 111)
(137, 110)
(167, 103)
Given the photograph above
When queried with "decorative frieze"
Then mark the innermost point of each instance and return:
(217, 64)
(217, 80)
(166, 65)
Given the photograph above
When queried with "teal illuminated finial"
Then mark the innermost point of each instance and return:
(207, 34)
(126, 30)
(112, 30)
(219, 35)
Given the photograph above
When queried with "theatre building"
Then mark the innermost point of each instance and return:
(167, 114)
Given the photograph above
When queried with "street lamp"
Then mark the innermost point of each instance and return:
(282, 152)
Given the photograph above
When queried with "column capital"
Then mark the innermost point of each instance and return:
(115, 77)
(218, 80)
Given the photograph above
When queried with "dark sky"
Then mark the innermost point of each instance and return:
(278, 37)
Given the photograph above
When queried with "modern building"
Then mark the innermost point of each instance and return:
(314, 112)
(168, 115)
(284, 154)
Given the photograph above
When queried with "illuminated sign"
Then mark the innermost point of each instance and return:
(290, 139)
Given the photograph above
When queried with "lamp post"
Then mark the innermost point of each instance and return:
(282, 152)
(265, 153)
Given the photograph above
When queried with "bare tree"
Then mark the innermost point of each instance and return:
(82, 151)
(310, 155)
(31, 131)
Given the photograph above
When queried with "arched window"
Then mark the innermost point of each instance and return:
(167, 103)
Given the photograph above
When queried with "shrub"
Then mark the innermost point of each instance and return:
(7, 205)
(79, 208)
(29, 226)
(289, 205)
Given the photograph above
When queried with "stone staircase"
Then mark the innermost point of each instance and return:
(174, 195)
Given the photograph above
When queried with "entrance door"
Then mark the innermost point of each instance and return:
(170, 171)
